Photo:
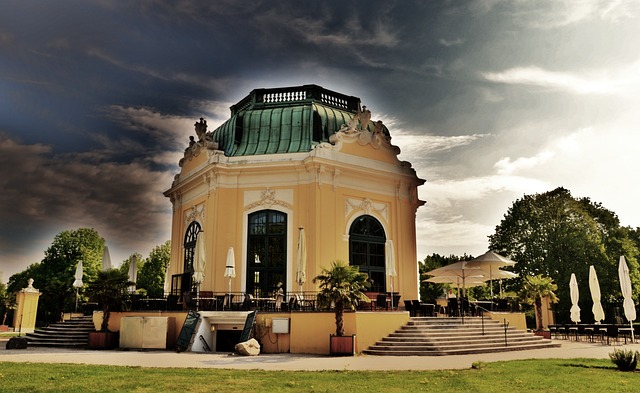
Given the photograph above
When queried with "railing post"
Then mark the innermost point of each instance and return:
(506, 326)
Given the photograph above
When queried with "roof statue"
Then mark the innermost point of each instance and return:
(205, 139)
(359, 121)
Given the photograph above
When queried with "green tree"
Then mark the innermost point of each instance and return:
(554, 234)
(54, 276)
(343, 287)
(7, 302)
(152, 274)
(534, 289)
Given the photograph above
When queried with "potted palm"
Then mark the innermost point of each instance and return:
(341, 287)
(110, 290)
(536, 288)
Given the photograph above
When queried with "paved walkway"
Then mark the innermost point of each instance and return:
(568, 350)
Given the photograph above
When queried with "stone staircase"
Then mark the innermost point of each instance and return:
(72, 333)
(429, 336)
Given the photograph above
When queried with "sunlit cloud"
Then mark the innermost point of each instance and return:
(455, 235)
(507, 166)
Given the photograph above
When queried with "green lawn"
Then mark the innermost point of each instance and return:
(562, 376)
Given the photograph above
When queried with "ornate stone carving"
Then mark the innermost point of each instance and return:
(205, 141)
(367, 206)
(358, 122)
(196, 213)
(268, 199)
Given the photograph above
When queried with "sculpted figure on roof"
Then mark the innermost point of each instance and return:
(201, 129)
(359, 121)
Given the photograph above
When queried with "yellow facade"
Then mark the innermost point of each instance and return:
(323, 191)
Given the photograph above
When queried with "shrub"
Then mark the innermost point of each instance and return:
(626, 360)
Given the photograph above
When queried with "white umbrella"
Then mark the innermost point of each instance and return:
(199, 260)
(625, 287)
(77, 284)
(594, 288)
(106, 259)
(230, 268)
(167, 279)
(133, 271)
(459, 269)
(78, 276)
(573, 291)
(470, 281)
(390, 264)
(301, 259)
(490, 262)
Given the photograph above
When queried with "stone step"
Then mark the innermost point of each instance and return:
(72, 333)
(429, 336)
(432, 351)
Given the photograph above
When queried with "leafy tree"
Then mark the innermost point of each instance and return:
(343, 286)
(553, 234)
(534, 289)
(152, 274)
(7, 302)
(54, 276)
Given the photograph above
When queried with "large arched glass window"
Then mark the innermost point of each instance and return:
(190, 245)
(366, 250)
(267, 252)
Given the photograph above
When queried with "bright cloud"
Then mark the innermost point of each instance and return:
(623, 80)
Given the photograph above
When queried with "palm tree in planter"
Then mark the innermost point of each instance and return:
(110, 290)
(341, 287)
(536, 288)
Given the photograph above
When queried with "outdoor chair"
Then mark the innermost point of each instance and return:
(418, 310)
(409, 307)
(612, 333)
(381, 301)
(452, 304)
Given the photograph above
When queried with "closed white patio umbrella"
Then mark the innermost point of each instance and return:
(106, 259)
(230, 267)
(390, 265)
(301, 259)
(573, 292)
(626, 289)
(77, 284)
(594, 288)
(133, 272)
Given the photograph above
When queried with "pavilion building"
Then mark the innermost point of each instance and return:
(289, 164)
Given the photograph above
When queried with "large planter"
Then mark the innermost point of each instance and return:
(103, 340)
(543, 333)
(342, 345)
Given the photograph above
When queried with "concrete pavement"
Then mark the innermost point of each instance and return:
(568, 350)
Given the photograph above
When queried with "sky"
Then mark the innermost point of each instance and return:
(490, 100)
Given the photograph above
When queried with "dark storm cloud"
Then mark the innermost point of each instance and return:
(489, 99)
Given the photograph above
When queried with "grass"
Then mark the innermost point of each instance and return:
(555, 375)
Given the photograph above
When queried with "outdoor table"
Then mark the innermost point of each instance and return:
(427, 308)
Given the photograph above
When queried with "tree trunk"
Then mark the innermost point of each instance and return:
(339, 319)
(538, 307)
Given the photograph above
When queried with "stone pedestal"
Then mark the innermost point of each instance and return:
(24, 317)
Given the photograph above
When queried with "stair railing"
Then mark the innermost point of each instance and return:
(206, 346)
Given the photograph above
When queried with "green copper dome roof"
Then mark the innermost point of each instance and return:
(285, 120)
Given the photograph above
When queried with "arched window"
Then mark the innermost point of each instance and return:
(366, 250)
(190, 245)
(267, 252)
